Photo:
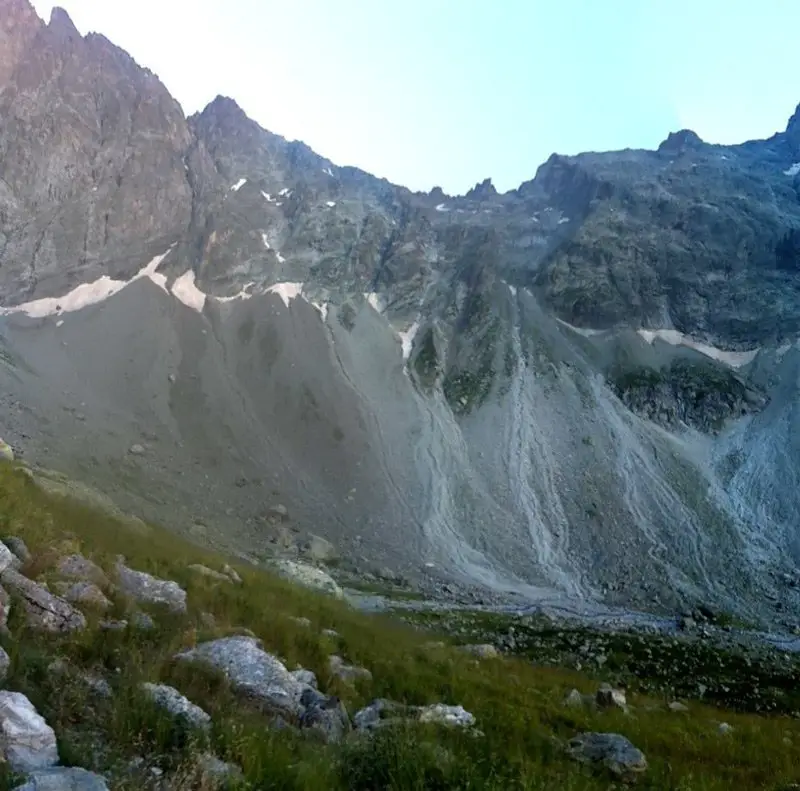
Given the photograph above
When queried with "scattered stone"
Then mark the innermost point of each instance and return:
(216, 773)
(180, 707)
(210, 573)
(147, 589)
(19, 548)
(482, 651)
(300, 620)
(724, 728)
(320, 550)
(309, 577)
(87, 593)
(611, 750)
(60, 778)
(608, 698)
(114, 625)
(332, 633)
(5, 664)
(453, 716)
(141, 620)
(43, 610)
(27, 742)
(347, 673)
(98, 685)
(326, 716)
(80, 568)
(677, 707)
(251, 671)
(136, 450)
(232, 574)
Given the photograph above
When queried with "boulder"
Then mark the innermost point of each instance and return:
(332, 633)
(88, 594)
(5, 664)
(19, 548)
(576, 700)
(232, 574)
(80, 568)
(7, 558)
(325, 716)
(43, 610)
(5, 608)
(608, 698)
(677, 707)
(452, 716)
(178, 705)
(27, 742)
(61, 778)
(319, 550)
(301, 620)
(251, 671)
(308, 576)
(205, 571)
(482, 651)
(6, 451)
(136, 450)
(306, 677)
(382, 713)
(610, 750)
(143, 621)
(215, 773)
(347, 673)
(147, 589)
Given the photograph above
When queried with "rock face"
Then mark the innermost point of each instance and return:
(43, 610)
(147, 589)
(27, 742)
(505, 385)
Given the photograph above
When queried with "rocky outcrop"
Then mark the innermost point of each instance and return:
(147, 589)
(27, 742)
(178, 705)
(309, 576)
(43, 610)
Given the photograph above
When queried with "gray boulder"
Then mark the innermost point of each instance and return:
(251, 671)
(347, 673)
(452, 716)
(482, 651)
(19, 548)
(7, 558)
(5, 608)
(43, 610)
(325, 716)
(205, 571)
(27, 742)
(61, 778)
(382, 713)
(309, 577)
(178, 705)
(610, 750)
(5, 664)
(147, 589)
(88, 594)
(80, 568)
(320, 550)
(607, 698)
(215, 773)
(306, 677)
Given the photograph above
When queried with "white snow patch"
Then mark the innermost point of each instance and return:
(330, 204)
(722, 156)
(286, 291)
(328, 172)
(243, 294)
(239, 184)
(60, 323)
(793, 170)
(585, 331)
(185, 290)
(265, 240)
(562, 220)
(279, 203)
(676, 338)
(535, 219)
(407, 339)
(375, 301)
(87, 294)
(285, 192)
(267, 197)
(442, 207)
(513, 290)
(322, 307)
(281, 259)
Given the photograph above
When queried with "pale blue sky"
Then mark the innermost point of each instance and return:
(448, 92)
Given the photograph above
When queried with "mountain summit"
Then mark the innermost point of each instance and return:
(582, 390)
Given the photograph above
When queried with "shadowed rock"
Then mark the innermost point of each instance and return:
(147, 589)
(43, 610)
(27, 742)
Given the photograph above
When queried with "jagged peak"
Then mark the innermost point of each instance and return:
(681, 140)
(223, 105)
(793, 128)
(61, 23)
(483, 189)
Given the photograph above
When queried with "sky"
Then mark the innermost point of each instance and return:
(449, 92)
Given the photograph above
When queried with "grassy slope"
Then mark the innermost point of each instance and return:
(518, 705)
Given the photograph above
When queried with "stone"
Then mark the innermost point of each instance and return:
(208, 621)
(724, 729)
(232, 574)
(61, 778)
(379, 713)
(309, 577)
(178, 705)
(215, 773)
(113, 625)
(141, 620)
(482, 651)
(452, 716)
(136, 450)
(607, 698)
(98, 685)
(80, 568)
(347, 673)
(576, 700)
(320, 550)
(27, 742)
(7, 558)
(204, 571)
(19, 548)
(326, 716)
(677, 707)
(279, 512)
(251, 671)
(5, 664)
(610, 750)
(332, 633)
(147, 589)
(43, 610)
(304, 676)
(5, 608)
(87, 593)
(301, 620)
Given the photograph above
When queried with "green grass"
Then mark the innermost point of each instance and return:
(518, 704)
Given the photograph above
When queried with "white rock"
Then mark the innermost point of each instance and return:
(7, 558)
(27, 742)
(348, 673)
(454, 716)
(178, 705)
(148, 589)
(309, 577)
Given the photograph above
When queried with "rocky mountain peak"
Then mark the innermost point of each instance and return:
(482, 190)
(793, 130)
(678, 142)
(18, 26)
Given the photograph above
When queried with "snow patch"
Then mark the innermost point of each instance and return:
(442, 207)
(281, 259)
(322, 307)
(330, 204)
(60, 323)
(286, 291)
(585, 331)
(328, 172)
(513, 290)
(562, 220)
(407, 339)
(185, 290)
(243, 294)
(375, 301)
(87, 294)
(238, 185)
(266, 241)
(267, 197)
(285, 192)
(793, 170)
(676, 338)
